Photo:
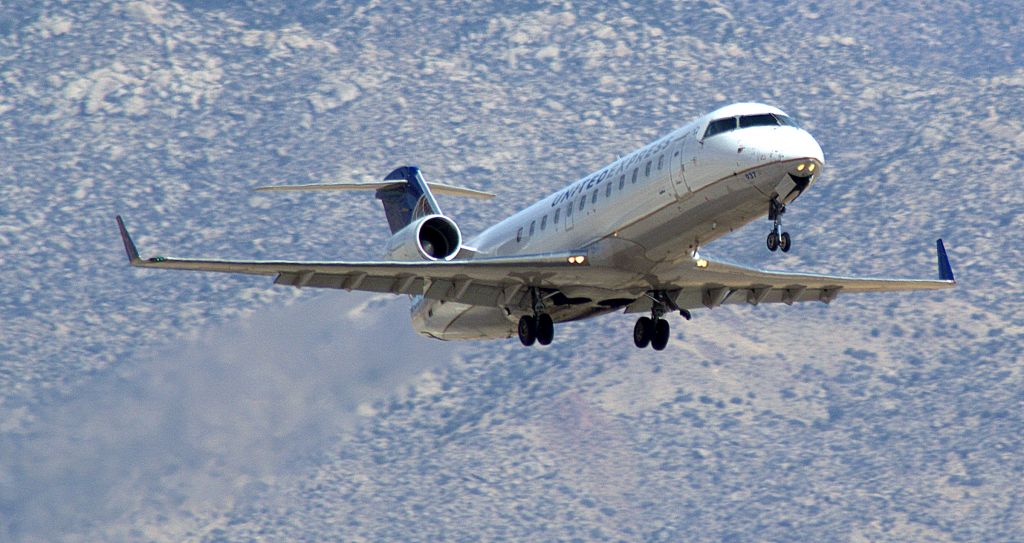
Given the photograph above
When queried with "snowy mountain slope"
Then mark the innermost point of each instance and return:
(898, 416)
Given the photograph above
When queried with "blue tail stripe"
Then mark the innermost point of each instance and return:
(409, 201)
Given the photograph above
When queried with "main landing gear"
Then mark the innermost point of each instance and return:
(651, 331)
(777, 240)
(536, 328)
(655, 330)
(539, 329)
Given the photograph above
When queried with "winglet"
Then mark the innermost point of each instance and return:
(945, 270)
(129, 246)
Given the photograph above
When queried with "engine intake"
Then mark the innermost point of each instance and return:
(434, 237)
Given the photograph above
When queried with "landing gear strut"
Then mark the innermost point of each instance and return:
(538, 327)
(777, 240)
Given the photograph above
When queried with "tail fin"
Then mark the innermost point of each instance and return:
(404, 193)
(406, 202)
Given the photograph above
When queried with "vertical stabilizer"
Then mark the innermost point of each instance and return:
(408, 201)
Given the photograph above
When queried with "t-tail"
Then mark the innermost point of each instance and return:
(408, 200)
(419, 229)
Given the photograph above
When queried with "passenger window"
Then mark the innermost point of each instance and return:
(519, 235)
(661, 160)
(544, 222)
(568, 211)
(593, 199)
(608, 191)
(622, 181)
(557, 213)
(635, 171)
(647, 169)
(583, 202)
(532, 225)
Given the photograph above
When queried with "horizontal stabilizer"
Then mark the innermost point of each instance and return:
(436, 188)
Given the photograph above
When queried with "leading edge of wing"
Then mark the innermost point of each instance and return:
(710, 271)
(420, 268)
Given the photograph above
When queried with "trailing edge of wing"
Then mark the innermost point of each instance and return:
(436, 188)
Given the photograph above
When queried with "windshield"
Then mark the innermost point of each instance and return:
(728, 124)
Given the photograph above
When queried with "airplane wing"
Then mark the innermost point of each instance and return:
(709, 283)
(488, 281)
(504, 281)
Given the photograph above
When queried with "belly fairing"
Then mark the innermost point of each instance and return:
(453, 321)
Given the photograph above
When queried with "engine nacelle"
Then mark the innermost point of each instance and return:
(434, 237)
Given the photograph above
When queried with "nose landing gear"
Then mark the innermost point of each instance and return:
(777, 240)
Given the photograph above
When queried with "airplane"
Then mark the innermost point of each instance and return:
(623, 238)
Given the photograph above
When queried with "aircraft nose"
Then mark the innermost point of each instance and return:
(785, 144)
(804, 160)
(797, 145)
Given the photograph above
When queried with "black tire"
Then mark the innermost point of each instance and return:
(661, 332)
(545, 329)
(642, 332)
(773, 241)
(785, 242)
(527, 330)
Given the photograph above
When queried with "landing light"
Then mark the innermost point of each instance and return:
(800, 167)
(701, 263)
(810, 168)
(577, 259)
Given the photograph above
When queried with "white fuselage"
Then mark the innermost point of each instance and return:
(651, 208)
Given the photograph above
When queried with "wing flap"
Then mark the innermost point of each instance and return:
(462, 290)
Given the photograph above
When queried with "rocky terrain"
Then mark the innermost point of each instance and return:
(140, 405)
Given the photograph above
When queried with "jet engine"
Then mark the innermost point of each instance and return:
(434, 237)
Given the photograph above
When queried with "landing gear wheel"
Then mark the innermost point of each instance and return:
(527, 330)
(642, 332)
(784, 242)
(545, 329)
(773, 242)
(661, 332)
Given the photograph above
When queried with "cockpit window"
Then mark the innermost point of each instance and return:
(720, 126)
(786, 121)
(766, 119)
(746, 121)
